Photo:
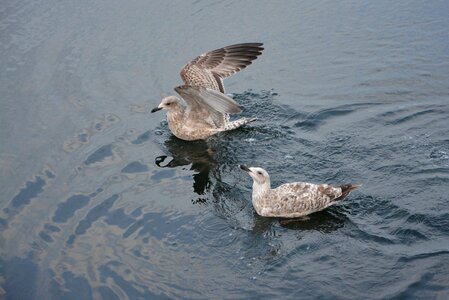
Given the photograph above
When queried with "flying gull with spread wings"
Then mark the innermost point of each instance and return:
(207, 108)
(292, 200)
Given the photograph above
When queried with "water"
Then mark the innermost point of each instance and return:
(99, 201)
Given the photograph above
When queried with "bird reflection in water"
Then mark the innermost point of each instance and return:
(272, 245)
(198, 154)
(323, 221)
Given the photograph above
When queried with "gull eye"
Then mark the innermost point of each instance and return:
(258, 172)
(168, 103)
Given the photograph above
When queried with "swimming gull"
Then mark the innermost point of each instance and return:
(292, 200)
(207, 107)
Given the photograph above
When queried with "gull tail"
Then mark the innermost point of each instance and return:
(237, 123)
(346, 189)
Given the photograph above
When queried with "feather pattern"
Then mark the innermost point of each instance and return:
(292, 200)
(207, 107)
(204, 103)
(210, 68)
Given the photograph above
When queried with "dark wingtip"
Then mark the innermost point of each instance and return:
(346, 189)
(259, 45)
(180, 88)
(253, 46)
(244, 168)
(256, 44)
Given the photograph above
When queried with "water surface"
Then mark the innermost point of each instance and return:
(99, 201)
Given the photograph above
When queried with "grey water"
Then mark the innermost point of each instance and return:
(99, 201)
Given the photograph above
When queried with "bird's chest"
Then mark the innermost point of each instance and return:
(273, 204)
(265, 208)
(186, 129)
(263, 203)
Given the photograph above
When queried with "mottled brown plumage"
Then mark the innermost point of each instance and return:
(292, 200)
(208, 108)
(209, 69)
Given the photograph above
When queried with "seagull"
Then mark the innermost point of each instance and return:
(292, 200)
(207, 107)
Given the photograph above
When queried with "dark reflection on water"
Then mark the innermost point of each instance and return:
(199, 155)
(31, 190)
(100, 201)
(324, 221)
(99, 155)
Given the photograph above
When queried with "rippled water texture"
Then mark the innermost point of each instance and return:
(99, 201)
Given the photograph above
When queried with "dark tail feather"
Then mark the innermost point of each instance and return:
(346, 189)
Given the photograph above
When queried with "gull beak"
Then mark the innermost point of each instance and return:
(245, 168)
(156, 109)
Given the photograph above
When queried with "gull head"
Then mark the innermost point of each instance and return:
(259, 175)
(169, 103)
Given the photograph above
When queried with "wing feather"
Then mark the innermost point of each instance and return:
(209, 69)
(204, 103)
(308, 196)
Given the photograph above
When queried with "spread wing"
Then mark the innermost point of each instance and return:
(207, 104)
(209, 69)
